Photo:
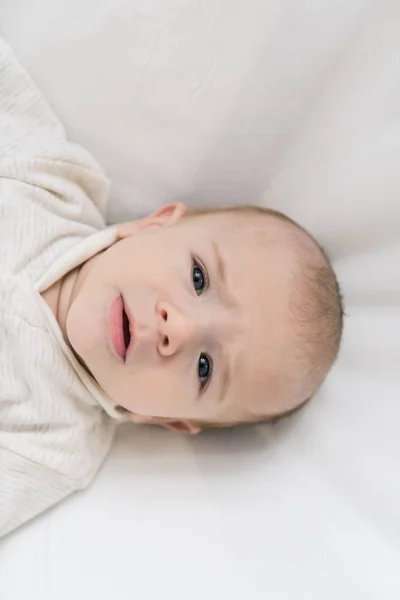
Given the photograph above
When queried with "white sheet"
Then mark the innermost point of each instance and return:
(295, 103)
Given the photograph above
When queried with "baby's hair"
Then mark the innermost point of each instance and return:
(316, 309)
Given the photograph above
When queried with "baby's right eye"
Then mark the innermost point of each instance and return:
(199, 278)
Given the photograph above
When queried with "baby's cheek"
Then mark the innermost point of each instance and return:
(83, 331)
(156, 392)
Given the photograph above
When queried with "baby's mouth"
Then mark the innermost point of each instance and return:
(126, 329)
(121, 327)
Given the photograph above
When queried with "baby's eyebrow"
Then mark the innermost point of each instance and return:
(222, 282)
(226, 296)
(221, 271)
(225, 377)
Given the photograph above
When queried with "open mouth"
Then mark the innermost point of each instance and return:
(120, 327)
(126, 329)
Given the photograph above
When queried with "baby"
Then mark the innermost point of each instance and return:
(184, 320)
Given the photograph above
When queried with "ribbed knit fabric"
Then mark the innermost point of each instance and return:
(54, 427)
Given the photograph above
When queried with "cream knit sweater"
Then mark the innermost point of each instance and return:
(54, 428)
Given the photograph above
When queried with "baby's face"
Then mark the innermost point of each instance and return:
(184, 320)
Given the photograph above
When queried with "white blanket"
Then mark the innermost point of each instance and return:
(296, 104)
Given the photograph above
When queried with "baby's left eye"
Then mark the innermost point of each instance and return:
(199, 278)
(204, 369)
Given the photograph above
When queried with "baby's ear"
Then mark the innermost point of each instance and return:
(166, 215)
(181, 426)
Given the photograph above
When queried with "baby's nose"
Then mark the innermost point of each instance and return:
(175, 329)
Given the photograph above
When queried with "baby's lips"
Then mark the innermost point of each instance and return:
(131, 325)
(116, 327)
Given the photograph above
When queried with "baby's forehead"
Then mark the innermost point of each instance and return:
(261, 352)
(258, 232)
(261, 384)
(257, 272)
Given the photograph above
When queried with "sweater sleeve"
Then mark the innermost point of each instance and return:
(27, 489)
(28, 126)
(30, 130)
(50, 187)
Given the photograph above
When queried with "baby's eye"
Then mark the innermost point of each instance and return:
(204, 370)
(199, 278)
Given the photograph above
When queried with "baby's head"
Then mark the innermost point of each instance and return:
(208, 318)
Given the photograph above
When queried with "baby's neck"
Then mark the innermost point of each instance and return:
(51, 297)
(58, 298)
